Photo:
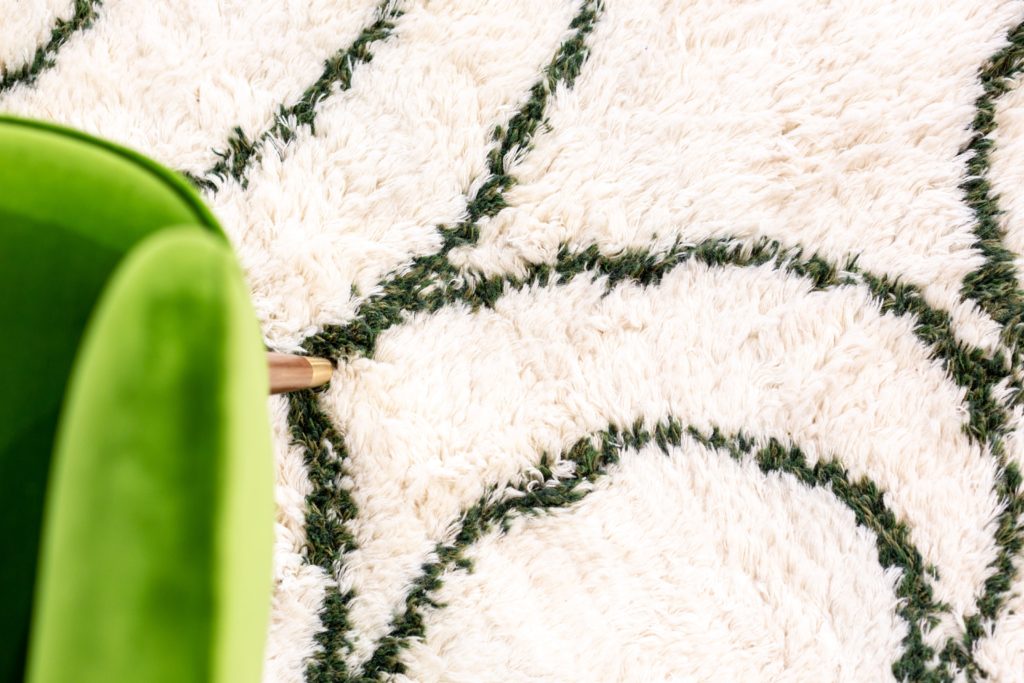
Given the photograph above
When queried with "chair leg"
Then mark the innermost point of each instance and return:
(291, 373)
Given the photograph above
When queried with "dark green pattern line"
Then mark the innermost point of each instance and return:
(328, 507)
(45, 55)
(432, 282)
(996, 289)
(404, 292)
(994, 285)
(594, 455)
(435, 283)
(328, 540)
(241, 152)
(967, 366)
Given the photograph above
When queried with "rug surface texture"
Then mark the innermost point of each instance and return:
(676, 340)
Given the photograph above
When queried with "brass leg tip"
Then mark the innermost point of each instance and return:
(292, 373)
(322, 371)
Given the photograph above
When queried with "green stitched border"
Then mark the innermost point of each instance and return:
(329, 507)
(241, 152)
(594, 455)
(45, 55)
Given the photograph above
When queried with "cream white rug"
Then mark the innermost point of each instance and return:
(677, 340)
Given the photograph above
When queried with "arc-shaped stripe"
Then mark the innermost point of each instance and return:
(994, 285)
(347, 222)
(26, 28)
(330, 507)
(969, 367)
(985, 379)
(999, 203)
(44, 57)
(543, 489)
(134, 78)
(1005, 173)
(506, 364)
(770, 142)
(980, 375)
(408, 293)
(240, 152)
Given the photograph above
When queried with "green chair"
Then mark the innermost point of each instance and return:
(135, 456)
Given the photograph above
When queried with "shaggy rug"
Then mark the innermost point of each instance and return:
(676, 340)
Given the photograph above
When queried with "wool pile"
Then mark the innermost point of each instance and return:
(676, 340)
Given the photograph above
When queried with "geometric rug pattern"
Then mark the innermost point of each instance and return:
(675, 340)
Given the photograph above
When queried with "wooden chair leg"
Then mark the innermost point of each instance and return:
(291, 373)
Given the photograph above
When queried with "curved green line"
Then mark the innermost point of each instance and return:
(330, 507)
(431, 282)
(966, 366)
(241, 153)
(595, 454)
(995, 287)
(45, 55)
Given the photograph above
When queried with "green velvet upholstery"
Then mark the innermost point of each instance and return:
(71, 209)
(159, 523)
